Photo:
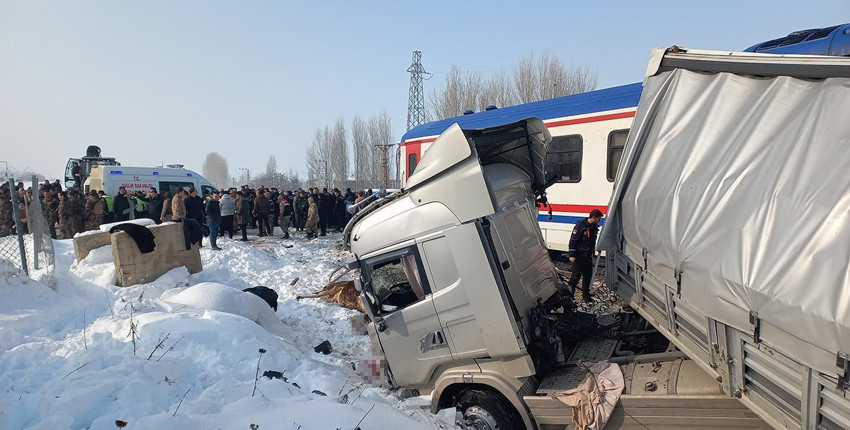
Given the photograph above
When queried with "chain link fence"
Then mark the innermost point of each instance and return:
(25, 242)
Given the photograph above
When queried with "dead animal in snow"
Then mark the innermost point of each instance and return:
(342, 292)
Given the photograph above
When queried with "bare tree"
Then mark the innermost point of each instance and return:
(499, 91)
(338, 155)
(293, 179)
(547, 77)
(317, 157)
(380, 133)
(215, 169)
(462, 92)
(446, 103)
(362, 152)
(271, 178)
(533, 79)
(526, 80)
(271, 165)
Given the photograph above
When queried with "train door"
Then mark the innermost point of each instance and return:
(413, 153)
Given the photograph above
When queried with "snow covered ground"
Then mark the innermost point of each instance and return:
(68, 360)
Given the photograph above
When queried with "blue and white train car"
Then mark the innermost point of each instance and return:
(588, 133)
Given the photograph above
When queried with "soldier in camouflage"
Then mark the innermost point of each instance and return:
(6, 219)
(49, 208)
(79, 214)
(66, 215)
(95, 208)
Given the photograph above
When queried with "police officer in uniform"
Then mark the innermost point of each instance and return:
(582, 249)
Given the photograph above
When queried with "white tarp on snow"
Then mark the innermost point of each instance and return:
(742, 184)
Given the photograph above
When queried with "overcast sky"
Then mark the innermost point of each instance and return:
(154, 82)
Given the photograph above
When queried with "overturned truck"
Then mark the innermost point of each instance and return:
(466, 306)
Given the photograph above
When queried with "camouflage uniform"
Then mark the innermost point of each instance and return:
(66, 214)
(6, 219)
(79, 217)
(49, 208)
(95, 208)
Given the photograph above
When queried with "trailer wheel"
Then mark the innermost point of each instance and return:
(484, 410)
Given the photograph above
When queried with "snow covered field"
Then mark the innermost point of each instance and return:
(67, 357)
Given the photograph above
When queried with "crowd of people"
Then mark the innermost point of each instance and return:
(233, 211)
(311, 211)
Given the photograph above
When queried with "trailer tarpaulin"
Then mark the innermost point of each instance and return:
(741, 183)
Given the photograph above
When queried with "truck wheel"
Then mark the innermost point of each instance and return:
(483, 410)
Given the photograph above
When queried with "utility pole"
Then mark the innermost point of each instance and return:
(247, 175)
(416, 102)
(385, 160)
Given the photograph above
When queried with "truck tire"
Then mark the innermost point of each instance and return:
(485, 410)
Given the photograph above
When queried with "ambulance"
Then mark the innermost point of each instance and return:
(169, 178)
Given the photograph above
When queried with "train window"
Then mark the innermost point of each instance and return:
(411, 164)
(564, 158)
(616, 142)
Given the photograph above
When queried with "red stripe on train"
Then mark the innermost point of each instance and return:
(591, 119)
(585, 120)
(583, 209)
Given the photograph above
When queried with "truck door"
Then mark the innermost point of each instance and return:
(523, 256)
(399, 294)
(72, 168)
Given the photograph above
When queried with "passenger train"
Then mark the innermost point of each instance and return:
(588, 133)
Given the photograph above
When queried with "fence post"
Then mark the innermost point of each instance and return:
(18, 226)
(35, 225)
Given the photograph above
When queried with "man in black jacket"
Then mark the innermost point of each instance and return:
(582, 249)
(339, 210)
(194, 206)
(154, 201)
(214, 218)
(121, 205)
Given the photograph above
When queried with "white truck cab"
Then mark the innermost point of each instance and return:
(465, 303)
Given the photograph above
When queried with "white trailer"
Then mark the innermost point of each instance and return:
(728, 228)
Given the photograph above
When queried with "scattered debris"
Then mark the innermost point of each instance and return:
(159, 344)
(265, 293)
(273, 374)
(169, 349)
(69, 374)
(357, 427)
(324, 347)
(257, 375)
(181, 402)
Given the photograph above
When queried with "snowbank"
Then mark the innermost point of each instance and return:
(219, 297)
(87, 353)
